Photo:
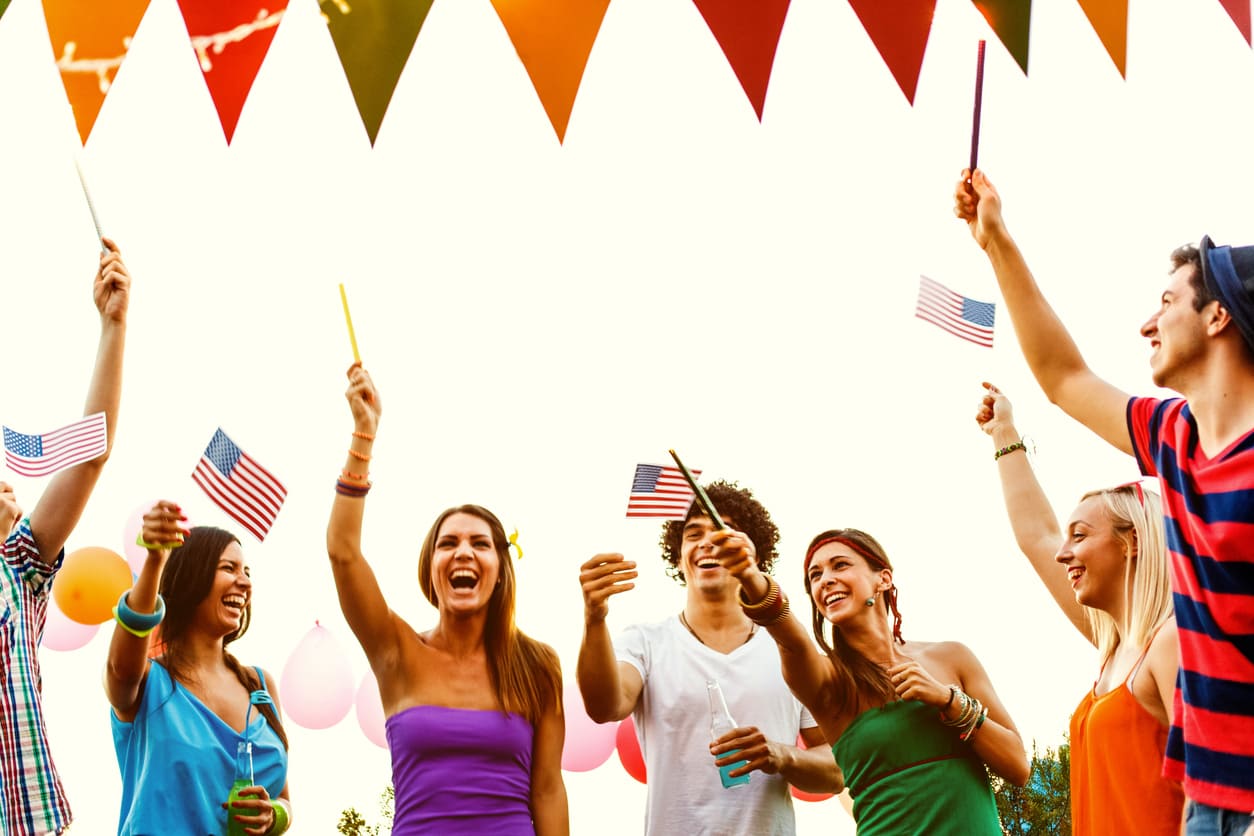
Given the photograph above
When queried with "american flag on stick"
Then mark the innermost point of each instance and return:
(239, 485)
(660, 491)
(44, 453)
(969, 319)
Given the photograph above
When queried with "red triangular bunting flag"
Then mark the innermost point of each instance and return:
(231, 38)
(90, 40)
(373, 39)
(1239, 11)
(1010, 19)
(899, 31)
(1110, 22)
(749, 33)
(553, 39)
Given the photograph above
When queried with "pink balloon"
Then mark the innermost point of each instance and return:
(802, 795)
(629, 750)
(370, 711)
(134, 552)
(317, 681)
(588, 744)
(63, 633)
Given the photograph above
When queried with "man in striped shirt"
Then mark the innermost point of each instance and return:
(1201, 448)
(32, 800)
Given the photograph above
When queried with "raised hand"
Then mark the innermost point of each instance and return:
(977, 202)
(601, 577)
(363, 399)
(735, 551)
(165, 528)
(111, 290)
(995, 411)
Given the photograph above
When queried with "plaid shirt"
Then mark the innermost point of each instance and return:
(32, 800)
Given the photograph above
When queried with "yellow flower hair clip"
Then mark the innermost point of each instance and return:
(513, 541)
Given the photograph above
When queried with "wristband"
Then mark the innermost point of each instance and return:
(1010, 448)
(281, 819)
(138, 624)
(143, 544)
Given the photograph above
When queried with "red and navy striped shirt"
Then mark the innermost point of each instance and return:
(1208, 503)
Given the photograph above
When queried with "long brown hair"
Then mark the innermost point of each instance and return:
(857, 677)
(186, 581)
(526, 675)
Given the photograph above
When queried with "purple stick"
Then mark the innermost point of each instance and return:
(979, 99)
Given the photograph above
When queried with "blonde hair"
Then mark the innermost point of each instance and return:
(1137, 517)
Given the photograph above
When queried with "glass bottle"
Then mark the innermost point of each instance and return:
(721, 723)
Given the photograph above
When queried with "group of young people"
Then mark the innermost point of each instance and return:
(1164, 589)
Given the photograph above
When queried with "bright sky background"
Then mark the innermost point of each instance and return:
(540, 318)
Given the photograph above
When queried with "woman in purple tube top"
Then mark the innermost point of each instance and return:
(473, 706)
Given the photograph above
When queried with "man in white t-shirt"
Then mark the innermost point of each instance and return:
(658, 673)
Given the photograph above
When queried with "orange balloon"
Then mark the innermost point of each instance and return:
(89, 584)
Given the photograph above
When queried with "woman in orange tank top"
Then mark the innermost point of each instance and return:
(1108, 573)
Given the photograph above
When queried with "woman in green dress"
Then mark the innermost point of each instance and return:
(913, 724)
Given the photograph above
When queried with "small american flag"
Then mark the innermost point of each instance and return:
(967, 318)
(40, 455)
(659, 491)
(239, 486)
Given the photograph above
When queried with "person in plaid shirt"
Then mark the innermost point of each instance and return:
(32, 800)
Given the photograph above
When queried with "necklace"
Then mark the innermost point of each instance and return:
(753, 628)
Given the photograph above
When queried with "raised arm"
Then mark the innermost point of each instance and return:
(808, 672)
(610, 688)
(127, 667)
(1031, 517)
(63, 501)
(1052, 355)
(361, 599)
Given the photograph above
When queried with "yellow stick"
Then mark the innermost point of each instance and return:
(349, 320)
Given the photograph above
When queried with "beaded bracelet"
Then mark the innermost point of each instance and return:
(361, 457)
(1010, 448)
(360, 477)
(138, 624)
(363, 436)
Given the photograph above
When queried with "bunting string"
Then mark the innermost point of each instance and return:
(99, 67)
(203, 44)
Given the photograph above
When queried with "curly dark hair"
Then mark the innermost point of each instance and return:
(747, 515)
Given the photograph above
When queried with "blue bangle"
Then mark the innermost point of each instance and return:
(134, 621)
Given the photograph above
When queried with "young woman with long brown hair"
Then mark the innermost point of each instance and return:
(912, 724)
(179, 719)
(473, 706)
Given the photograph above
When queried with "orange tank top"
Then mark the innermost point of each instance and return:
(1117, 785)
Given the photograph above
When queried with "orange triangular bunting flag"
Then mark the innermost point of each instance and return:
(90, 39)
(231, 38)
(1239, 11)
(1110, 22)
(899, 31)
(553, 39)
(1011, 20)
(748, 32)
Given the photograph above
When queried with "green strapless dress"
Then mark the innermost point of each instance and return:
(908, 774)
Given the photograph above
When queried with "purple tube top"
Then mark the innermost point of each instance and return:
(460, 771)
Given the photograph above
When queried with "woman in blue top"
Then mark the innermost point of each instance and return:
(180, 719)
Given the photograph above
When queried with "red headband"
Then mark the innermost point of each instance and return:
(864, 553)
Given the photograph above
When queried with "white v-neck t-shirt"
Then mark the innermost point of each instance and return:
(672, 718)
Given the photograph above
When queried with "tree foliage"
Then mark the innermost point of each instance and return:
(353, 823)
(1043, 806)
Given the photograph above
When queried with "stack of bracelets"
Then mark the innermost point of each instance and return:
(135, 623)
(771, 609)
(970, 718)
(356, 485)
